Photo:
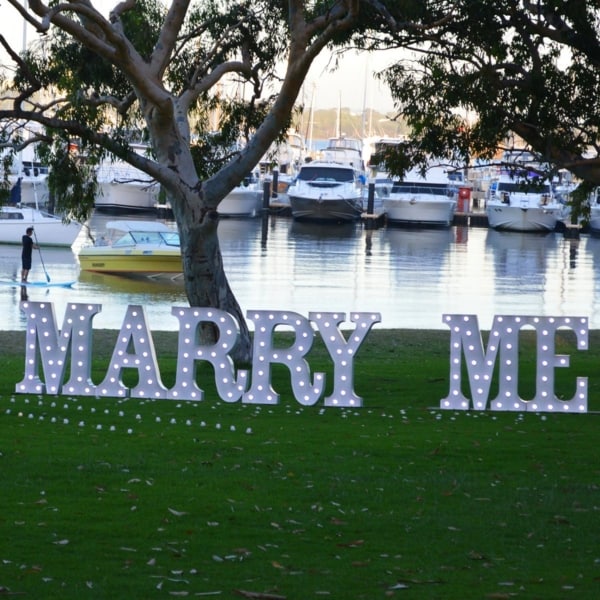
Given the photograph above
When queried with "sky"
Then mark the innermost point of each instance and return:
(351, 85)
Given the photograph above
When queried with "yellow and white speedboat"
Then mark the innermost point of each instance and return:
(135, 248)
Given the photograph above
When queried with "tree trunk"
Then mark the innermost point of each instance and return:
(206, 284)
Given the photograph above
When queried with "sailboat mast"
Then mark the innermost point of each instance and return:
(311, 120)
(364, 110)
(339, 119)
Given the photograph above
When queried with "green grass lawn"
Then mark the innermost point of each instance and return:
(108, 498)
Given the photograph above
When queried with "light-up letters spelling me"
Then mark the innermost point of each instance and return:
(47, 352)
(465, 338)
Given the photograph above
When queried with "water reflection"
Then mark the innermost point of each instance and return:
(411, 276)
(412, 247)
(520, 258)
(300, 231)
(160, 289)
(239, 232)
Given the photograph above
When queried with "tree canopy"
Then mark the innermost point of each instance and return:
(479, 72)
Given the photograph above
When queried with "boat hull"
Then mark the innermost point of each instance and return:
(595, 219)
(49, 230)
(134, 248)
(420, 210)
(326, 208)
(517, 218)
(114, 197)
(326, 191)
(122, 188)
(134, 261)
(525, 204)
(241, 202)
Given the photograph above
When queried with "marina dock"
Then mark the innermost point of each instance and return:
(471, 219)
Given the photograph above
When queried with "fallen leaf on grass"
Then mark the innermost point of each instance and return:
(5, 590)
(361, 563)
(560, 520)
(353, 544)
(259, 595)
(406, 583)
(399, 586)
(34, 569)
(176, 512)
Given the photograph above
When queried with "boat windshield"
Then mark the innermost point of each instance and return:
(523, 187)
(333, 174)
(157, 238)
(171, 238)
(408, 187)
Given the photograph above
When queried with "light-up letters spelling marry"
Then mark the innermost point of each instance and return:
(47, 351)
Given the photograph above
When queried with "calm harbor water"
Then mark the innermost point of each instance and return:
(411, 276)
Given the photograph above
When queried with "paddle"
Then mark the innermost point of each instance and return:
(41, 257)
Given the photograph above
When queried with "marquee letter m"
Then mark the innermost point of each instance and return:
(504, 339)
(46, 344)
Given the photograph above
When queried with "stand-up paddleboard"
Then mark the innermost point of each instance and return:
(14, 283)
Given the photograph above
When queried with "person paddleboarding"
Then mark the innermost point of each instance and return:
(26, 254)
